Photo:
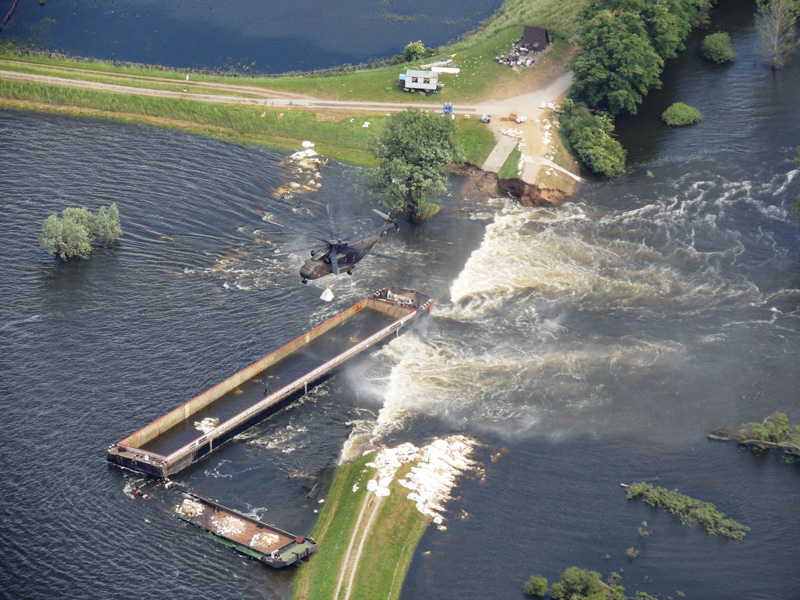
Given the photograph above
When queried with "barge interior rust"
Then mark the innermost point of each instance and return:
(172, 443)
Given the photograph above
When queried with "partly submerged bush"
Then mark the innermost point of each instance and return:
(72, 235)
(688, 509)
(717, 47)
(680, 114)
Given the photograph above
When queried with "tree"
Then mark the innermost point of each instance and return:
(107, 228)
(415, 51)
(536, 587)
(589, 137)
(618, 63)
(777, 36)
(73, 234)
(414, 150)
(583, 584)
(717, 47)
(65, 238)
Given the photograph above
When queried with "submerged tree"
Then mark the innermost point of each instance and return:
(414, 149)
(777, 34)
(72, 235)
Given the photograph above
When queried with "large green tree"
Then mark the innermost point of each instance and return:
(414, 150)
(618, 62)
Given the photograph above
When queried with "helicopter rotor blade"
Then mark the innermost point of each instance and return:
(316, 248)
(331, 222)
(379, 255)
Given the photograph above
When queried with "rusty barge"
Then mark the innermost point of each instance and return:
(183, 436)
(274, 547)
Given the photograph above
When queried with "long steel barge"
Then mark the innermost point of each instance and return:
(183, 436)
(272, 546)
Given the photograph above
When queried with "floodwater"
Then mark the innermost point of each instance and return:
(590, 344)
(252, 36)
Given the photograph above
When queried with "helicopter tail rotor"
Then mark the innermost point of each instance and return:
(387, 217)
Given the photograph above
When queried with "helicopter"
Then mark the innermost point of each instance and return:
(347, 252)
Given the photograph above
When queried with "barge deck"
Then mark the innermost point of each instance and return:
(176, 440)
(272, 546)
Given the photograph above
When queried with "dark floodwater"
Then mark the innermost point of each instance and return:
(598, 342)
(261, 36)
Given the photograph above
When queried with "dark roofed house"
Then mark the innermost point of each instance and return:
(537, 37)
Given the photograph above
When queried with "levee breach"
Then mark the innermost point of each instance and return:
(173, 442)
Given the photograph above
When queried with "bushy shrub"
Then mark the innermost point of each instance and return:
(717, 47)
(589, 138)
(416, 50)
(72, 235)
(536, 586)
(680, 114)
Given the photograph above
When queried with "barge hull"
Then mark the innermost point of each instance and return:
(135, 452)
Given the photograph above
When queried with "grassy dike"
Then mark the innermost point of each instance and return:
(333, 132)
(337, 135)
(388, 548)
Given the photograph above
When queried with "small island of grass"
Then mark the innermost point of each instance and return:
(680, 114)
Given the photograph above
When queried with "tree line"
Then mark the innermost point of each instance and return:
(624, 45)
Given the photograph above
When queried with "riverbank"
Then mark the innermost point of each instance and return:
(375, 513)
(340, 113)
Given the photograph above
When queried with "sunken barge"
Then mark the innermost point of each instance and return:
(186, 434)
(274, 547)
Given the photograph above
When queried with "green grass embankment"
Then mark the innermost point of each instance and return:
(391, 545)
(334, 133)
(510, 168)
(335, 527)
(387, 551)
(338, 138)
(474, 51)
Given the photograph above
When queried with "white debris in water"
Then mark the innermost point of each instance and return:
(227, 524)
(432, 477)
(308, 153)
(264, 541)
(206, 424)
(189, 508)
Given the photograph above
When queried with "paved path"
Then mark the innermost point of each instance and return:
(497, 158)
(528, 105)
